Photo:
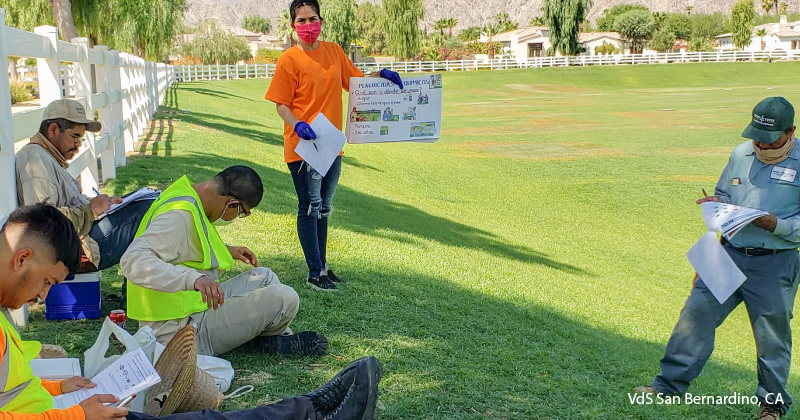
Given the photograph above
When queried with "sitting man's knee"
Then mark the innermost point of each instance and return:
(288, 297)
(261, 272)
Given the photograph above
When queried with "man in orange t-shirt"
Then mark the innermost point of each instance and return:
(38, 248)
(308, 81)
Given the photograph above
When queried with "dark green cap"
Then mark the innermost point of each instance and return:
(771, 117)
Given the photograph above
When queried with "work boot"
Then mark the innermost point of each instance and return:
(357, 402)
(305, 343)
(769, 412)
(645, 390)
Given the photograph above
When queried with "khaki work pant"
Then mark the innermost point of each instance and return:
(256, 303)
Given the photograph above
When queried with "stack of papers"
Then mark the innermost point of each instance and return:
(142, 194)
(729, 219)
(56, 369)
(709, 259)
(128, 375)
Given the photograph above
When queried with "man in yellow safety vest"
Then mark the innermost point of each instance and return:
(177, 257)
(38, 248)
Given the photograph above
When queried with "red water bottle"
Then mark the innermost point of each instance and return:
(118, 317)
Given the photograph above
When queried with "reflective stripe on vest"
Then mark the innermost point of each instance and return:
(27, 394)
(146, 304)
(7, 396)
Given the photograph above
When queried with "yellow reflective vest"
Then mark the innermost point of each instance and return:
(21, 391)
(152, 305)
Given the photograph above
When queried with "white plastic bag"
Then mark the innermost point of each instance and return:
(219, 369)
(95, 360)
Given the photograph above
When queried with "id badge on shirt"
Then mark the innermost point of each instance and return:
(783, 174)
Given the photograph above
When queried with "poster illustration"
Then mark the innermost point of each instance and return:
(378, 111)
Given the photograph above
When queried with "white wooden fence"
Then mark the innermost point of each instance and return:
(251, 71)
(125, 91)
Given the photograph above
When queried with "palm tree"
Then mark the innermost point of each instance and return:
(784, 7)
(284, 28)
(439, 25)
(766, 5)
(659, 18)
(451, 23)
(491, 29)
(689, 10)
(502, 18)
(761, 33)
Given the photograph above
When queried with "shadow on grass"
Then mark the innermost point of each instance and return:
(215, 93)
(360, 213)
(451, 352)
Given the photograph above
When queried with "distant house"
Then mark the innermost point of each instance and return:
(534, 41)
(242, 33)
(590, 41)
(779, 36)
(269, 42)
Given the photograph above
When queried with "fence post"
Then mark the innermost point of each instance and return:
(126, 95)
(49, 68)
(115, 88)
(109, 169)
(8, 190)
(83, 89)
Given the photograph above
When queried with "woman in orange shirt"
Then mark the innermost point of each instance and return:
(309, 80)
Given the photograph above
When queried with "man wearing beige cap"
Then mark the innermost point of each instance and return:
(42, 177)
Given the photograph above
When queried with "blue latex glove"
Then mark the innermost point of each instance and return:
(304, 131)
(392, 76)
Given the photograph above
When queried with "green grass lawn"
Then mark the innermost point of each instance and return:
(530, 264)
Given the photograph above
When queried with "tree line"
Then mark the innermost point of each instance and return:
(393, 27)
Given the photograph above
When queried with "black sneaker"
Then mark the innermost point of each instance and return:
(306, 343)
(322, 283)
(327, 397)
(333, 277)
(362, 395)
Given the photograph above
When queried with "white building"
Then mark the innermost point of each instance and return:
(779, 36)
(534, 41)
(590, 41)
(269, 42)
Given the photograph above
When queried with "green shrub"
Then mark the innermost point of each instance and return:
(266, 55)
(700, 44)
(606, 49)
(20, 92)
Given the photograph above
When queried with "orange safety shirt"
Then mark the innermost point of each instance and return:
(310, 82)
(53, 387)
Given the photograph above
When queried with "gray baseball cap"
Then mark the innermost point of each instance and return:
(70, 110)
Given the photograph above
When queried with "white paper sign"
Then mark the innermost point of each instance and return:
(715, 267)
(378, 111)
(321, 153)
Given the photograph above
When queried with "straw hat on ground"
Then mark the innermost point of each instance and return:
(184, 387)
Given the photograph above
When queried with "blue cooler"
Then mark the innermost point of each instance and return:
(75, 298)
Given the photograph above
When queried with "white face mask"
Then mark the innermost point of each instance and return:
(222, 222)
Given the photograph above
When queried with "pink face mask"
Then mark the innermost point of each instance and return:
(309, 32)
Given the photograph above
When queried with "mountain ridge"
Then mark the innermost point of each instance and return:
(232, 12)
